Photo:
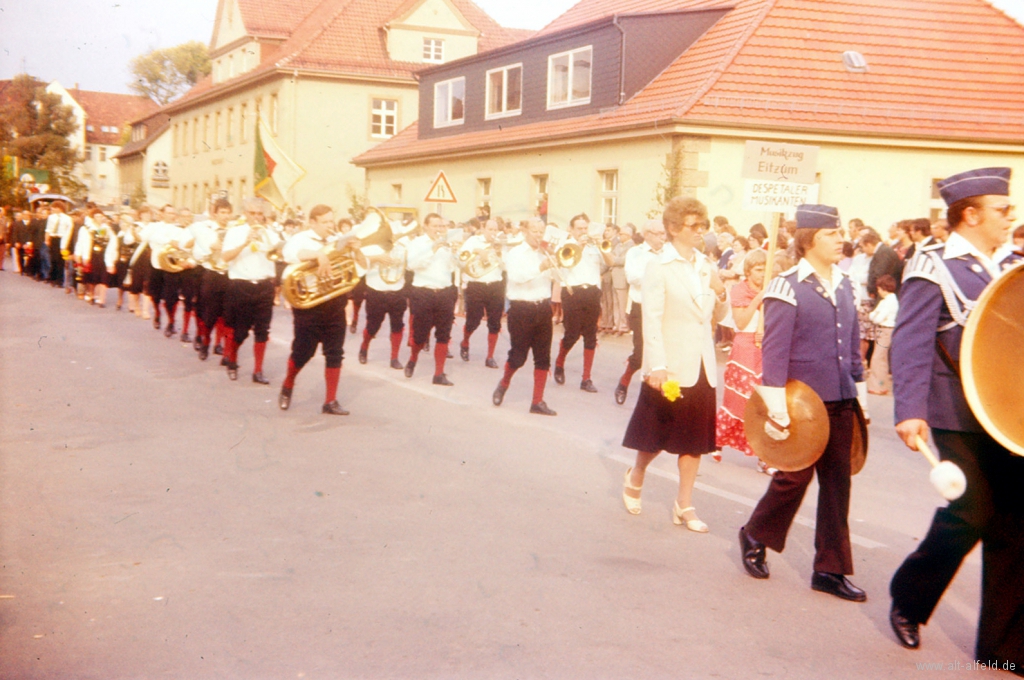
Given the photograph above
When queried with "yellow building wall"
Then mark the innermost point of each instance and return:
(432, 19)
(574, 181)
(231, 27)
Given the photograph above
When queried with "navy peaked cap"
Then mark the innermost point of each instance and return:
(810, 216)
(981, 182)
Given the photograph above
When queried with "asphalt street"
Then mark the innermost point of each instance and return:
(160, 521)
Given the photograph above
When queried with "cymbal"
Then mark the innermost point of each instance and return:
(859, 448)
(808, 429)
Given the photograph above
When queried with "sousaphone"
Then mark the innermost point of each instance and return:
(992, 358)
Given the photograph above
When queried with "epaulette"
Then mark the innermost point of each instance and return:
(922, 266)
(780, 289)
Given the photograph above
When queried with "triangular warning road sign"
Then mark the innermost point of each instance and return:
(440, 191)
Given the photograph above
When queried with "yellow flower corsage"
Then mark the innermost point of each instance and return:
(670, 388)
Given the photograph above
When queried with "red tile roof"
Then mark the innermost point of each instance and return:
(274, 18)
(776, 64)
(107, 109)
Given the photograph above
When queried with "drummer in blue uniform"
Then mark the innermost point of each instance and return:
(941, 285)
(811, 334)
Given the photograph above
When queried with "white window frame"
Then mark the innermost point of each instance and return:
(570, 101)
(438, 123)
(505, 111)
(388, 117)
(609, 197)
(433, 50)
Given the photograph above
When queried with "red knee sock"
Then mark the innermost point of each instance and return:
(440, 356)
(539, 379)
(289, 378)
(415, 354)
(259, 349)
(231, 349)
(187, 321)
(411, 318)
(331, 377)
(219, 330)
(627, 376)
(366, 341)
(465, 337)
(562, 353)
(202, 332)
(492, 341)
(396, 344)
(506, 379)
(588, 363)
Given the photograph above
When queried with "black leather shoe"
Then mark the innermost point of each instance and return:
(620, 393)
(204, 352)
(197, 343)
(232, 371)
(464, 352)
(223, 361)
(753, 555)
(185, 337)
(333, 409)
(397, 365)
(170, 330)
(409, 368)
(491, 363)
(156, 322)
(218, 350)
(258, 377)
(443, 380)
(499, 394)
(905, 629)
(362, 355)
(540, 408)
(284, 400)
(838, 585)
(588, 386)
(560, 375)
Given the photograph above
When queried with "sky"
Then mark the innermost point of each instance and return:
(90, 42)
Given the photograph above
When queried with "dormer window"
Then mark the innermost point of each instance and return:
(505, 91)
(433, 50)
(450, 102)
(569, 78)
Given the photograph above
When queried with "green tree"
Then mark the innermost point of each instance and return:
(167, 73)
(671, 183)
(36, 131)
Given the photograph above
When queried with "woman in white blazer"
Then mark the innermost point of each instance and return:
(675, 412)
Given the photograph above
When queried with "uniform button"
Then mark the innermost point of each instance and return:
(840, 341)
(839, 325)
(840, 358)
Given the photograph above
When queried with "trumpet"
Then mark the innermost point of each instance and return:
(570, 254)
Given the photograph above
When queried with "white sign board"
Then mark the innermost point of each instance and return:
(777, 162)
(783, 197)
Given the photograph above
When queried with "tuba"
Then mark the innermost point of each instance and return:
(990, 352)
(481, 263)
(173, 259)
(303, 287)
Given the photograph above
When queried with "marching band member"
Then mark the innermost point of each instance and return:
(385, 298)
(191, 278)
(89, 250)
(323, 324)
(941, 285)
(249, 303)
(58, 234)
(485, 294)
(163, 285)
(140, 265)
(529, 266)
(675, 413)
(213, 285)
(581, 304)
(811, 334)
(116, 258)
(433, 296)
(637, 259)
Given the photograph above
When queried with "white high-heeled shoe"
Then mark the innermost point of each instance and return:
(632, 504)
(692, 524)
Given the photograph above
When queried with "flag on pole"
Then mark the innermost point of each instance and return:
(275, 173)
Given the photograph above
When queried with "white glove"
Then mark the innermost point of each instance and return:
(862, 399)
(775, 399)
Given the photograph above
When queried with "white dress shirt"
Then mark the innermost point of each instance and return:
(431, 269)
(884, 313)
(588, 271)
(299, 241)
(204, 235)
(113, 252)
(59, 225)
(478, 242)
(160, 234)
(373, 277)
(637, 259)
(251, 264)
(526, 281)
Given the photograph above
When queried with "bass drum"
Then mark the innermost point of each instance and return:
(992, 359)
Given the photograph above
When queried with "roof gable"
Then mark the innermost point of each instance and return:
(229, 25)
(441, 14)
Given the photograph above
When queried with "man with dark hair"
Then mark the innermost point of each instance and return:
(433, 295)
(484, 294)
(884, 260)
(940, 289)
(920, 234)
(213, 283)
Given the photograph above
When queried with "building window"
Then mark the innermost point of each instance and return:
(90, 128)
(88, 151)
(231, 66)
(483, 190)
(396, 193)
(103, 154)
(384, 118)
(450, 102)
(610, 196)
(273, 114)
(195, 133)
(241, 191)
(505, 91)
(433, 50)
(216, 130)
(243, 113)
(569, 78)
(540, 196)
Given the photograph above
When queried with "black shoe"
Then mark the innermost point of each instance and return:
(588, 386)
(753, 555)
(223, 361)
(499, 394)
(491, 363)
(464, 352)
(197, 344)
(333, 409)
(560, 375)
(218, 350)
(352, 330)
(204, 352)
(170, 330)
(620, 393)
(232, 371)
(284, 400)
(397, 365)
(362, 355)
(905, 629)
(838, 585)
(185, 337)
(409, 368)
(443, 380)
(156, 322)
(540, 408)
(258, 377)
